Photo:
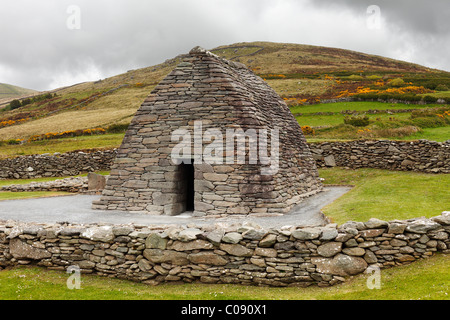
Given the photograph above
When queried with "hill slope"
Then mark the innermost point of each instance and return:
(8, 92)
(293, 70)
(307, 59)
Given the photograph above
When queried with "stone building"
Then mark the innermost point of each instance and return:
(212, 138)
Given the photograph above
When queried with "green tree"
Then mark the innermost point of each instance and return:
(15, 104)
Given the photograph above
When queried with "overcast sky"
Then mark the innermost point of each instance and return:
(47, 44)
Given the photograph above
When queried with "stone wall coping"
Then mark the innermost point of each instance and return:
(240, 253)
(420, 225)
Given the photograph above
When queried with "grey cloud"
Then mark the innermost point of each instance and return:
(40, 52)
(417, 30)
(422, 16)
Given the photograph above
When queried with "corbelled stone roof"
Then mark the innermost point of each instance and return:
(219, 94)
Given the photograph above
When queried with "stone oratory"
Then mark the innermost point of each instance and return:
(212, 138)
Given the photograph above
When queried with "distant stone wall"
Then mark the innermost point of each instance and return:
(93, 183)
(71, 184)
(421, 155)
(243, 254)
(56, 164)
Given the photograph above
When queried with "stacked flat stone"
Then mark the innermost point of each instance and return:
(221, 94)
(244, 253)
(92, 183)
(71, 184)
(421, 155)
(57, 164)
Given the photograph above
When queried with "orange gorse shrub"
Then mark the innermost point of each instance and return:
(273, 76)
(6, 123)
(64, 134)
(365, 133)
(292, 101)
(445, 114)
(361, 90)
(307, 130)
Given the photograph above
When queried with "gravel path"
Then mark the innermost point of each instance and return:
(77, 209)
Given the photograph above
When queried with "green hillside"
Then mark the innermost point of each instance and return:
(8, 91)
(301, 74)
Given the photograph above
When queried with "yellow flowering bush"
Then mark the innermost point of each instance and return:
(6, 123)
(293, 101)
(307, 130)
(64, 134)
(410, 90)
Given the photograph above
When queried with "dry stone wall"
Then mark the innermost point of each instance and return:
(56, 164)
(422, 155)
(93, 183)
(243, 254)
(71, 184)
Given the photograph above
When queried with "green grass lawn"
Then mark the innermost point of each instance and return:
(438, 94)
(5, 195)
(439, 134)
(397, 126)
(62, 145)
(335, 119)
(356, 106)
(382, 194)
(387, 195)
(424, 279)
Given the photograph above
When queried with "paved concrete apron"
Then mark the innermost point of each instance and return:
(77, 209)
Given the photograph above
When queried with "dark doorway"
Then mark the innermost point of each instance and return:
(187, 180)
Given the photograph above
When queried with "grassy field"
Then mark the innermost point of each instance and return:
(293, 70)
(28, 195)
(440, 94)
(423, 280)
(397, 126)
(440, 134)
(423, 122)
(386, 195)
(8, 91)
(355, 106)
(313, 87)
(336, 119)
(62, 145)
